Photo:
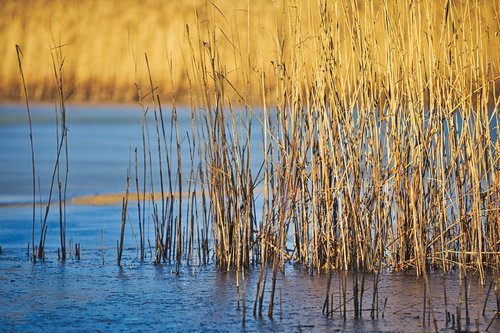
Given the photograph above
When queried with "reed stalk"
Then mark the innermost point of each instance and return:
(33, 166)
(58, 63)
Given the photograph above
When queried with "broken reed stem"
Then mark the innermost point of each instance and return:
(124, 220)
(141, 231)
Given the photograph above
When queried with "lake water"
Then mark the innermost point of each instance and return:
(95, 294)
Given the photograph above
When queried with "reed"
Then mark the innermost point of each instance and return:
(379, 126)
(33, 164)
(140, 221)
(61, 142)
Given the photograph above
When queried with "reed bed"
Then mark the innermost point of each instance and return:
(379, 140)
(379, 127)
(378, 152)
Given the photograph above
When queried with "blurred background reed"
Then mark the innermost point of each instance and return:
(105, 41)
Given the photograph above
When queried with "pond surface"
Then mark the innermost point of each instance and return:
(91, 296)
(95, 294)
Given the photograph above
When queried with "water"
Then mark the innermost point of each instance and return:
(91, 296)
(94, 294)
(101, 141)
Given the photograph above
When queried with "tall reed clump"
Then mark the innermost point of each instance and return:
(210, 202)
(379, 135)
(379, 140)
(225, 133)
(379, 126)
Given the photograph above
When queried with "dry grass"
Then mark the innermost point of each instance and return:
(105, 39)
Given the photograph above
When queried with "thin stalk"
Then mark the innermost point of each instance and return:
(33, 170)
